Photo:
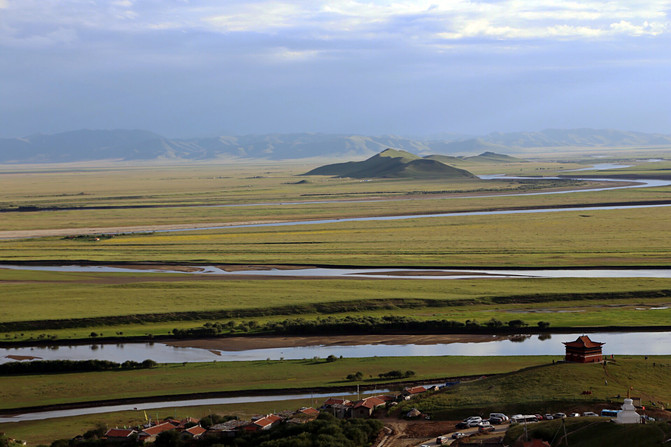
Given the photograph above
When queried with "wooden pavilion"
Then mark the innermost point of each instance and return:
(583, 350)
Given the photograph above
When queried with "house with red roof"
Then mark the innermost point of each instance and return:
(583, 350)
(194, 432)
(309, 411)
(263, 423)
(119, 434)
(365, 408)
(149, 434)
(411, 392)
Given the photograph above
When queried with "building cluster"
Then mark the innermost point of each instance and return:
(343, 408)
(190, 428)
(186, 428)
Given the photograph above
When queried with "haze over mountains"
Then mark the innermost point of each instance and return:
(128, 145)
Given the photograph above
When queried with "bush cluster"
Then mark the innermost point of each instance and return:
(60, 366)
(349, 325)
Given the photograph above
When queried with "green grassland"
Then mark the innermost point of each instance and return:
(634, 237)
(542, 387)
(174, 379)
(556, 387)
(138, 304)
(588, 432)
(166, 195)
(173, 194)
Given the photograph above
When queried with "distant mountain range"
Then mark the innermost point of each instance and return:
(392, 163)
(86, 145)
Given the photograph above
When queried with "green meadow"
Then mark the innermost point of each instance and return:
(555, 387)
(73, 200)
(71, 305)
(176, 379)
(633, 237)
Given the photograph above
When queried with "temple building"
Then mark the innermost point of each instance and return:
(583, 350)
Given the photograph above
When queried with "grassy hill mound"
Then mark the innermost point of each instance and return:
(493, 157)
(393, 163)
(555, 387)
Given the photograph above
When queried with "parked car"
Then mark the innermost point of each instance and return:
(484, 424)
(473, 421)
(440, 440)
(485, 429)
(495, 420)
(589, 413)
(559, 415)
(501, 416)
(458, 435)
(462, 424)
(574, 415)
(548, 417)
(539, 417)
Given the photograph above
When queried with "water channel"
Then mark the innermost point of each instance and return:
(381, 273)
(652, 343)
(141, 407)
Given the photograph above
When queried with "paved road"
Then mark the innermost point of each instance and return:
(498, 429)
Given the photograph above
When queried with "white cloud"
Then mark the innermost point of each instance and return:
(403, 22)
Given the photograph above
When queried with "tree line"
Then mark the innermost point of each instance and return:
(61, 366)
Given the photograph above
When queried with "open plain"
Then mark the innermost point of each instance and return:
(156, 223)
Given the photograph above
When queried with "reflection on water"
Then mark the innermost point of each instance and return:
(651, 343)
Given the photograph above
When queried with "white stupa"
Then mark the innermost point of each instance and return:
(628, 414)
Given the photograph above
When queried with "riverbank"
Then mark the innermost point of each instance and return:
(265, 341)
(217, 379)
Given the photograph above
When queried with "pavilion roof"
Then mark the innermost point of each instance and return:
(583, 342)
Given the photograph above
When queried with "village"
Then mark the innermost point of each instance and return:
(405, 428)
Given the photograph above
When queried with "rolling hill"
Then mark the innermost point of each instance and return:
(392, 163)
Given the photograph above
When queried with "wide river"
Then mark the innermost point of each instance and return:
(652, 343)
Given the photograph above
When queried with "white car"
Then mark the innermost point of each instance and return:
(473, 421)
(589, 413)
(484, 424)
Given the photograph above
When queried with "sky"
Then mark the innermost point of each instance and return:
(186, 68)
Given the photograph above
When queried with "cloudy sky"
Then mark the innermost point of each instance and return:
(212, 67)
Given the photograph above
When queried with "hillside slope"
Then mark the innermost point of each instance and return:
(392, 164)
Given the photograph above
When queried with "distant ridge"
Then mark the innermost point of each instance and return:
(494, 157)
(392, 163)
(488, 157)
(128, 145)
